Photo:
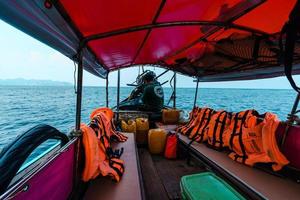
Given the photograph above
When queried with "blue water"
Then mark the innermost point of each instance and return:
(22, 107)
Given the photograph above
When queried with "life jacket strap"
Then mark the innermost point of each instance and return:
(214, 140)
(239, 134)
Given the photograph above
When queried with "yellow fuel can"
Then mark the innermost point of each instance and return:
(157, 140)
(142, 128)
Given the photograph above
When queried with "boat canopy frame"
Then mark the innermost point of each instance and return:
(52, 22)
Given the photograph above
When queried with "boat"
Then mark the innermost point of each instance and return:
(218, 40)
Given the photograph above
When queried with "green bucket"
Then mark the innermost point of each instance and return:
(206, 186)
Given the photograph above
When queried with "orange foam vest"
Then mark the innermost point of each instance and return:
(219, 122)
(257, 142)
(106, 117)
(96, 160)
(97, 142)
(107, 111)
(234, 131)
(198, 133)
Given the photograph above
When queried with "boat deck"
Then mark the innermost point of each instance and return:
(256, 183)
(161, 177)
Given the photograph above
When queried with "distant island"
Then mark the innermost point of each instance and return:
(31, 82)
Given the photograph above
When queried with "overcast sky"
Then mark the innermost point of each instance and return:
(24, 57)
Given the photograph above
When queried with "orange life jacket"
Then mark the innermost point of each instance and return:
(233, 135)
(270, 145)
(258, 142)
(117, 135)
(219, 122)
(107, 111)
(198, 133)
(100, 125)
(96, 160)
(106, 122)
(245, 140)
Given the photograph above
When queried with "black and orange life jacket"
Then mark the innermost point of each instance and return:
(219, 122)
(100, 125)
(233, 134)
(198, 133)
(97, 138)
(96, 159)
(117, 136)
(194, 122)
(259, 142)
(107, 118)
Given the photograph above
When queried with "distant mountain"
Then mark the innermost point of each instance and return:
(32, 82)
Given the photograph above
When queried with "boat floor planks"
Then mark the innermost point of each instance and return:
(162, 176)
(154, 188)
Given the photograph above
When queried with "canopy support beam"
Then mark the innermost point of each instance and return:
(118, 94)
(106, 91)
(196, 93)
(168, 24)
(174, 97)
(76, 132)
(162, 74)
(79, 92)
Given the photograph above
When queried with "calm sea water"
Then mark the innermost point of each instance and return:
(22, 107)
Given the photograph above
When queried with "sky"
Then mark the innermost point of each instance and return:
(22, 56)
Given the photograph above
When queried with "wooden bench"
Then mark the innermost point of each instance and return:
(167, 127)
(130, 187)
(255, 183)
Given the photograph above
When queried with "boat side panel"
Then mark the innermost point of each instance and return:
(55, 181)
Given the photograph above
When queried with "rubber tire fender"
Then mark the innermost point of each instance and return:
(14, 155)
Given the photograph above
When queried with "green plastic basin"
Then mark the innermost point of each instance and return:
(206, 186)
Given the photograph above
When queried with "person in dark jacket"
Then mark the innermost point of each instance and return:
(153, 94)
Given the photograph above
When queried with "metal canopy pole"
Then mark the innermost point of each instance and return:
(174, 97)
(118, 94)
(106, 92)
(79, 92)
(196, 93)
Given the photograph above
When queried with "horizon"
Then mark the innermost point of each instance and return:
(69, 84)
(32, 54)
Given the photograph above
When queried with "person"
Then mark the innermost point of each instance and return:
(153, 94)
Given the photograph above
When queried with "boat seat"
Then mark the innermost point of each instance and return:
(167, 127)
(262, 185)
(129, 188)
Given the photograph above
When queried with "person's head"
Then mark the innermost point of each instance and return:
(149, 77)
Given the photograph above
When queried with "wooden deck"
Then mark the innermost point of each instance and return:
(161, 177)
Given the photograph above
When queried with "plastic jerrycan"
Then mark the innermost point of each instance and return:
(157, 140)
(142, 128)
(129, 127)
(170, 116)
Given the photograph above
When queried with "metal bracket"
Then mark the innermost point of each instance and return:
(76, 133)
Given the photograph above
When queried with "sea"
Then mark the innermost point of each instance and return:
(22, 107)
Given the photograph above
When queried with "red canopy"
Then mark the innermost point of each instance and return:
(215, 40)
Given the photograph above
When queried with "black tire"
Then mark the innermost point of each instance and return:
(15, 154)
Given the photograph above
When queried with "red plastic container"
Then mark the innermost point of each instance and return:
(291, 146)
(171, 146)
